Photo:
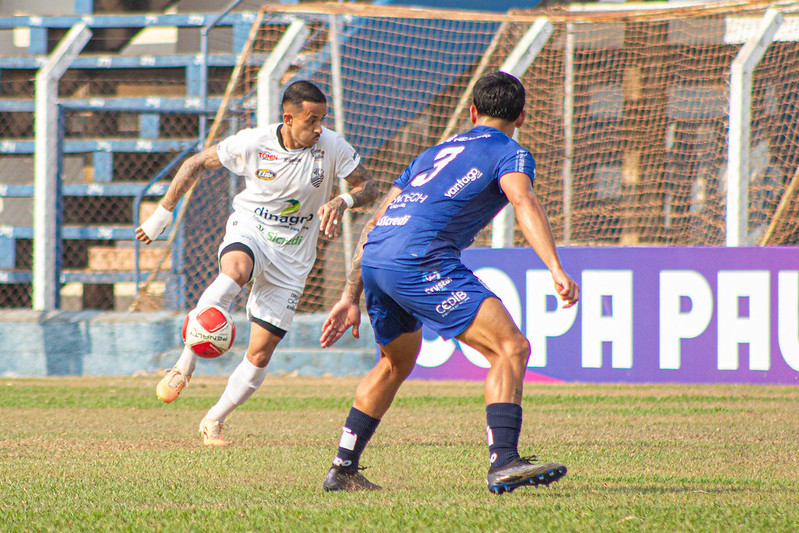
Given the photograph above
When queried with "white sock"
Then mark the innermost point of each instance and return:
(187, 361)
(220, 292)
(241, 384)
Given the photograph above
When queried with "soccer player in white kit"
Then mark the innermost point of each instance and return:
(271, 236)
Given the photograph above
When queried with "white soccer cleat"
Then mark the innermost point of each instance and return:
(211, 431)
(170, 386)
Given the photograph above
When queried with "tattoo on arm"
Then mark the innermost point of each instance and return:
(364, 188)
(187, 175)
(354, 282)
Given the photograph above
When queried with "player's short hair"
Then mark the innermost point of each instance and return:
(500, 95)
(303, 91)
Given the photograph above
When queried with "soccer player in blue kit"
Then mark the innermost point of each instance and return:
(408, 263)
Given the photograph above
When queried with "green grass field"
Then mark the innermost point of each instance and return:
(88, 454)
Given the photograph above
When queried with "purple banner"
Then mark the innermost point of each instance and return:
(646, 315)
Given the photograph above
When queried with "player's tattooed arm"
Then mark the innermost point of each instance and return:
(363, 190)
(186, 176)
(346, 313)
(363, 187)
(354, 286)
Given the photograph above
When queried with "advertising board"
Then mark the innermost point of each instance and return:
(646, 315)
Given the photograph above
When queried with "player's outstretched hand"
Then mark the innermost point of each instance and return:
(344, 314)
(330, 215)
(567, 288)
(154, 225)
(140, 235)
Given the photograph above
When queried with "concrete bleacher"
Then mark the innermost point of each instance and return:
(131, 102)
(142, 67)
(168, 42)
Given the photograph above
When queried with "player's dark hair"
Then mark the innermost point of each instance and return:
(500, 95)
(303, 91)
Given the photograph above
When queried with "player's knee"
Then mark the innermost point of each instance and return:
(399, 370)
(238, 265)
(239, 273)
(259, 358)
(404, 369)
(517, 348)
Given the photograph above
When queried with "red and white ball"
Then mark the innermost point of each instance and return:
(208, 331)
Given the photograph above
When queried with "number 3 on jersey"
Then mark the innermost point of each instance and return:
(442, 159)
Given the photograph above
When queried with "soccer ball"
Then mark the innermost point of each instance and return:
(208, 331)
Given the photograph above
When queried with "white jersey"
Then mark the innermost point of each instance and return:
(284, 189)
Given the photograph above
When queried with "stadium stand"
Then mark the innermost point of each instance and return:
(631, 118)
(129, 106)
(130, 102)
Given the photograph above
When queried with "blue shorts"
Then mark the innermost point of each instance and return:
(446, 300)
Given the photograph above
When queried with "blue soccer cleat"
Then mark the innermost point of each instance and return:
(340, 479)
(521, 472)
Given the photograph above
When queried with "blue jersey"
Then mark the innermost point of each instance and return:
(449, 193)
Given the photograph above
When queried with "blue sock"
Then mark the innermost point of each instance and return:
(504, 425)
(355, 434)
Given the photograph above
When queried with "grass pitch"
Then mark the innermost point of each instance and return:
(92, 454)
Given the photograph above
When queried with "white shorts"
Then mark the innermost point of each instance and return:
(273, 297)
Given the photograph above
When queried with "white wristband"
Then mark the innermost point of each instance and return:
(347, 197)
(156, 223)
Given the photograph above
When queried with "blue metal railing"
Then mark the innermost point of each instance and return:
(137, 204)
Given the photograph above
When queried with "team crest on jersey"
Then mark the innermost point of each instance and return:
(317, 176)
(264, 174)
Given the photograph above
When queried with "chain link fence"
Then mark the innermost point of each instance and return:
(125, 115)
(628, 117)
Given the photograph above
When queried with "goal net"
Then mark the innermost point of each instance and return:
(628, 117)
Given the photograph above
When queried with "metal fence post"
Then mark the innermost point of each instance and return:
(340, 125)
(204, 64)
(46, 278)
(516, 64)
(274, 67)
(568, 132)
(741, 70)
